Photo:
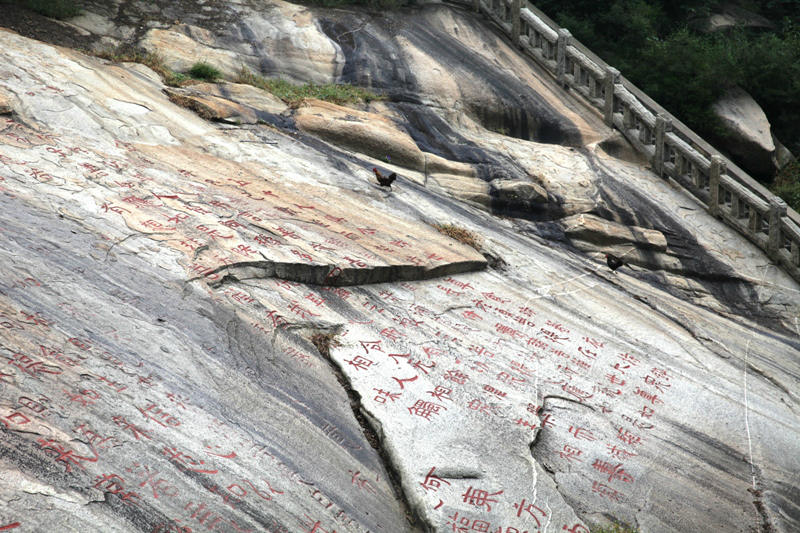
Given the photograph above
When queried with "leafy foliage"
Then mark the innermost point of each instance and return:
(787, 185)
(686, 73)
(771, 74)
(653, 44)
(293, 94)
(57, 9)
(204, 71)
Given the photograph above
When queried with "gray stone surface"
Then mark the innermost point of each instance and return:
(749, 139)
(163, 276)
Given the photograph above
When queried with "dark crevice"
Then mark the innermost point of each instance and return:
(717, 278)
(333, 275)
(774, 382)
(761, 509)
(372, 432)
(566, 399)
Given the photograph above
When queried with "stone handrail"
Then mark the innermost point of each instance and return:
(674, 150)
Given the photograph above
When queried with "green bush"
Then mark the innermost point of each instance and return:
(205, 71)
(173, 79)
(771, 64)
(57, 9)
(651, 43)
(337, 93)
(787, 185)
(686, 73)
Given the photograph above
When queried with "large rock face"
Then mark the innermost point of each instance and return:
(230, 327)
(749, 139)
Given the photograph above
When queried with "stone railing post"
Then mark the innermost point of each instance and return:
(611, 79)
(564, 37)
(718, 168)
(516, 21)
(777, 209)
(663, 125)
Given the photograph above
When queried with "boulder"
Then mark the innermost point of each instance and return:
(469, 189)
(367, 133)
(279, 40)
(519, 191)
(246, 95)
(230, 102)
(99, 24)
(782, 154)
(213, 108)
(435, 164)
(727, 16)
(618, 147)
(452, 63)
(283, 39)
(642, 247)
(5, 105)
(749, 139)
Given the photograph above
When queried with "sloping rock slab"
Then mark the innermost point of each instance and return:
(368, 133)
(595, 230)
(547, 397)
(230, 102)
(221, 215)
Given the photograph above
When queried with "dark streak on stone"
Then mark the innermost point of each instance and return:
(761, 508)
(719, 279)
(375, 59)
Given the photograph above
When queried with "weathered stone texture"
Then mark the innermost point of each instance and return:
(163, 277)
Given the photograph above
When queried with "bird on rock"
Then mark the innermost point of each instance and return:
(613, 262)
(385, 181)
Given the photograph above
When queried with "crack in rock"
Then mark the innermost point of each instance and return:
(373, 433)
(332, 275)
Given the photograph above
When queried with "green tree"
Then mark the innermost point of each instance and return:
(686, 73)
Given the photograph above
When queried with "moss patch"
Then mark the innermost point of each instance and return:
(293, 95)
(462, 235)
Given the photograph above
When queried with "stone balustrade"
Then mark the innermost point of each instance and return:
(674, 150)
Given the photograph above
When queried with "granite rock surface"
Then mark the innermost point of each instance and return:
(229, 326)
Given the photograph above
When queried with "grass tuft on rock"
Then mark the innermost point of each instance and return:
(787, 185)
(204, 71)
(462, 235)
(323, 342)
(614, 528)
(293, 95)
(152, 60)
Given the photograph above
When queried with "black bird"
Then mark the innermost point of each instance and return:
(613, 261)
(385, 181)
